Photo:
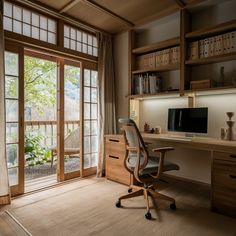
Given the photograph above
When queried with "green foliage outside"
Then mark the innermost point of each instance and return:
(40, 92)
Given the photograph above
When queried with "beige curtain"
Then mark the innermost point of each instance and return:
(4, 186)
(106, 80)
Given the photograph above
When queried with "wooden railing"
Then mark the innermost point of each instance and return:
(49, 130)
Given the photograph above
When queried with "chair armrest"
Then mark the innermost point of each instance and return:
(163, 149)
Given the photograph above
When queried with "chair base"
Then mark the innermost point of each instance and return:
(146, 192)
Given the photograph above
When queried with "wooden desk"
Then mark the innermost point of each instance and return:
(223, 171)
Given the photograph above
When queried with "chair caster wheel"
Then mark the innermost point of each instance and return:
(172, 206)
(130, 190)
(148, 216)
(118, 205)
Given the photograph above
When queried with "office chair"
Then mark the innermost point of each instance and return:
(146, 169)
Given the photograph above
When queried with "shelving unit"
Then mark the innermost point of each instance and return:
(186, 65)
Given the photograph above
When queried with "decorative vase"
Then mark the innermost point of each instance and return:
(230, 123)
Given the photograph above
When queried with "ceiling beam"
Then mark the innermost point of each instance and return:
(179, 3)
(108, 12)
(69, 5)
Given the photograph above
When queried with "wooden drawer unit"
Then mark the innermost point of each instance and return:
(115, 155)
(224, 183)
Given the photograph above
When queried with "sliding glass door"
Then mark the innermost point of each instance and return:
(72, 112)
(14, 119)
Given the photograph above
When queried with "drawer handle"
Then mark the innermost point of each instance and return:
(114, 157)
(232, 176)
(114, 140)
(233, 156)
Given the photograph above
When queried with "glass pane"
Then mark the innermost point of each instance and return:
(52, 25)
(84, 38)
(79, 36)
(72, 33)
(7, 23)
(86, 128)
(7, 9)
(90, 50)
(26, 16)
(11, 87)
(66, 31)
(94, 127)
(11, 132)
(12, 155)
(79, 47)
(94, 113)
(17, 27)
(94, 95)
(13, 176)
(87, 161)
(17, 13)
(87, 77)
(43, 22)
(11, 110)
(86, 111)
(72, 44)
(90, 40)
(94, 159)
(94, 78)
(86, 94)
(72, 93)
(66, 43)
(95, 42)
(35, 20)
(95, 52)
(85, 48)
(35, 32)
(94, 140)
(87, 144)
(43, 35)
(26, 30)
(11, 63)
(51, 38)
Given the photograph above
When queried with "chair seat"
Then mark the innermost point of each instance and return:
(152, 165)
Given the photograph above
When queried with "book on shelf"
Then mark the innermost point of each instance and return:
(146, 83)
(213, 46)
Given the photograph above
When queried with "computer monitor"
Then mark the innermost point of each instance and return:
(191, 120)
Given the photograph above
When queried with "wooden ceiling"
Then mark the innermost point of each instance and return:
(114, 16)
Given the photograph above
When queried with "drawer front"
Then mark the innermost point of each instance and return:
(224, 156)
(224, 200)
(115, 170)
(224, 174)
(115, 147)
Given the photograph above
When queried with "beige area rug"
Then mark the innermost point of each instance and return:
(86, 207)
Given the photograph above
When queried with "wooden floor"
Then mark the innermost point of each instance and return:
(86, 207)
(40, 183)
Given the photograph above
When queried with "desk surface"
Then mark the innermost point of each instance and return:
(202, 143)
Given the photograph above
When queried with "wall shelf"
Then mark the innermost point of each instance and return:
(214, 59)
(155, 95)
(158, 69)
(157, 46)
(213, 30)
